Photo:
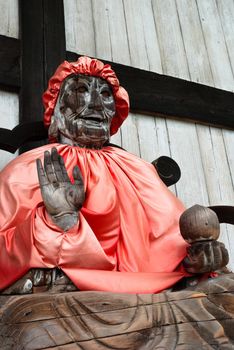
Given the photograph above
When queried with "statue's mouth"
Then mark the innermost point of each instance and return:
(96, 119)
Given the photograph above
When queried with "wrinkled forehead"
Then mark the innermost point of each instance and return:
(75, 79)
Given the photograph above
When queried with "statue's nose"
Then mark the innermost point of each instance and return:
(95, 100)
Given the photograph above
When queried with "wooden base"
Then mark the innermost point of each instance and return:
(202, 318)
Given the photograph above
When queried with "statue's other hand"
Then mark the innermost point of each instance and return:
(62, 198)
(206, 256)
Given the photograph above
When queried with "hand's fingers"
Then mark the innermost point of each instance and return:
(48, 168)
(41, 174)
(225, 256)
(56, 164)
(206, 256)
(64, 170)
(220, 254)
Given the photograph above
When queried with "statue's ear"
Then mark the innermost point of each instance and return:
(53, 132)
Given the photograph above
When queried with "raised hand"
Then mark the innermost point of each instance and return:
(62, 199)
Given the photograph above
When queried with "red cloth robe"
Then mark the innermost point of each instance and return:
(127, 238)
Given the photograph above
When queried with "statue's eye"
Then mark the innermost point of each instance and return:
(105, 93)
(82, 89)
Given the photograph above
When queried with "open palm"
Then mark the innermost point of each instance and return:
(61, 197)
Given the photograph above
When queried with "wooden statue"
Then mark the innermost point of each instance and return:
(200, 227)
(99, 219)
(202, 318)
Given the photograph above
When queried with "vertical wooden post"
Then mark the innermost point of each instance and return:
(42, 35)
(54, 36)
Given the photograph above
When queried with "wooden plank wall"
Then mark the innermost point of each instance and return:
(9, 102)
(192, 40)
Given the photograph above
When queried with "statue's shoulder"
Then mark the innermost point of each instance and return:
(123, 153)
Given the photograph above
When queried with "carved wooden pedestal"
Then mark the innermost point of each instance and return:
(202, 318)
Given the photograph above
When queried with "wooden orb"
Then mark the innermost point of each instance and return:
(199, 223)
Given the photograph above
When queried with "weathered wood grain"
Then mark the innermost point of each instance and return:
(220, 49)
(226, 11)
(9, 23)
(163, 141)
(218, 181)
(215, 43)
(197, 57)
(214, 150)
(9, 75)
(130, 138)
(79, 27)
(217, 178)
(9, 111)
(201, 318)
(142, 37)
(101, 30)
(182, 136)
(117, 32)
(173, 55)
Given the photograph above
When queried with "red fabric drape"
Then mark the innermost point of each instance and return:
(127, 239)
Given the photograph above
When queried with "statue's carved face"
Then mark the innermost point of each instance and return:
(86, 108)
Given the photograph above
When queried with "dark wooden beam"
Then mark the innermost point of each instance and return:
(9, 63)
(32, 63)
(149, 92)
(11, 140)
(156, 93)
(43, 49)
(54, 37)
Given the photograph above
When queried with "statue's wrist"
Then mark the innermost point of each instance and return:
(65, 221)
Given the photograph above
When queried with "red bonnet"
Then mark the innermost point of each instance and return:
(87, 66)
